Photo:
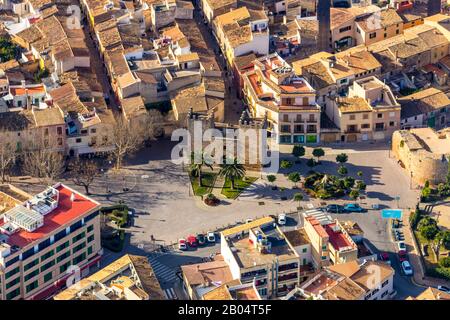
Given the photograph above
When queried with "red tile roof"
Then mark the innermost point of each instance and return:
(337, 239)
(66, 212)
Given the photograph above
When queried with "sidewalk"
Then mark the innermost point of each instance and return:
(419, 277)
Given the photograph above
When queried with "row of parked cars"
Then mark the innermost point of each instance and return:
(196, 241)
(348, 208)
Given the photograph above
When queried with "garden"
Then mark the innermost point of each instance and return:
(8, 50)
(114, 219)
(434, 243)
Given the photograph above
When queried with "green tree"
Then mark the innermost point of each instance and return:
(354, 194)
(285, 164)
(298, 197)
(271, 178)
(360, 174)
(445, 262)
(349, 182)
(429, 232)
(342, 170)
(426, 192)
(298, 151)
(294, 177)
(318, 153)
(342, 158)
(196, 166)
(232, 171)
(360, 185)
(311, 162)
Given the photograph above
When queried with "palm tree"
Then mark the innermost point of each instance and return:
(232, 170)
(196, 167)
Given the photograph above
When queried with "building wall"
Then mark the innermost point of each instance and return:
(363, 37)
(382, 291)
(81, 245)
(420, 164)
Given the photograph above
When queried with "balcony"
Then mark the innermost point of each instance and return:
(288, 267)
(311, 130)
(353, 131)
(311, 120)
(288, 277)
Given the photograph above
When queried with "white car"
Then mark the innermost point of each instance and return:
(444, 289)
(407, 269)
(211, 237)
(282, 219)
(182, 245)
(401, 246)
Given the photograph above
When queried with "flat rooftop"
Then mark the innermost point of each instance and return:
(297, 237)
(66, 212)
(247, 255)
(435, 142)
(337, 238)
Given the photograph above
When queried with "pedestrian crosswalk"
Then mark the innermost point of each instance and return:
(170, 294)
(164, 273)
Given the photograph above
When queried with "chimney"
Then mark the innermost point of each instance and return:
(72, 197)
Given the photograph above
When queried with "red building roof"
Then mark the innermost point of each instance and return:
(337, 239)
(66, 212)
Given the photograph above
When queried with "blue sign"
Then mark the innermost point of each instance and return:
(391, 213)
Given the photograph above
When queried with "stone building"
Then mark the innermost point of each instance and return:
(423, 153)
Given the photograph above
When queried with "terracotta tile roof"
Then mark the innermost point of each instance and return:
(48, 117)
(386, 19)
(353, 104)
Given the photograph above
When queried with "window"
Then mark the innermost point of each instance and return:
(31, 275)
(76, 226)
(365, 116)
(90, 238)
(305, 101)
(12, 283)
(13, 294)
(324, 257)
(89, 250)
(372, 35)
(64, 267)
(368, 296)
(63, 256)
(91, 216)
(60, 141)
(48, 277)
(47, 255)
(78, 140)
(391, 123)
(384, 294)
(90, 228)
(304, 250)
(285, 118)
(285, 128)
(84, 131)
(385, 283)
(324, 247)
(12, 272)
(352, 117)
(348, 28)
(62, 246)
(59, 130)
(365, 126)
(79, 247)
(60, 235)
(32, 286)
(80, 258)
(397, 31)
(30, 265)
(385, 35)
(78, 237)
(379, 115)
(47, 265)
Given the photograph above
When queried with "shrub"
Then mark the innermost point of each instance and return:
(444, 262)
(360, 185)
(318, 152)
(342, 170)
(426, 192)
(298, 151)
(415, 217)
(271, 178)
(354, 194)
(429, 232)
(349, 182)
(323, 194)
(294, 177)
(311, 162)
(285, 164)
(342, 158)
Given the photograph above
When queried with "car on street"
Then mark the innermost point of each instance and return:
(211, 237)
(353, 207)
(384, 256)
(406, 268)
(444, 289)
(401, 246)
(248, 220)
(201, 240)
(192, 241)
(182, 245)
(402, 256)
(282, 219)
(334, 208)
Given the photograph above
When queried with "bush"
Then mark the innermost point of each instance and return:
(342, 170)
(285, 164)
(443, 273)
(444, 262)
(354, 194)
(429, 232)
(311, 163)
(298, 151)
(323, 194)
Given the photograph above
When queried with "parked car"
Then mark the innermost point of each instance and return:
(182, 245)
(444, 289)
(401, 246)
(192, 241)
(384, 256)
(248, 220)
(334, 208)
(201, 240)
(353, 207)
(406, 268)
(282, 219)
(211, 237)
(402, 256)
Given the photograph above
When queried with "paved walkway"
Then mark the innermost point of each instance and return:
(419, 277)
